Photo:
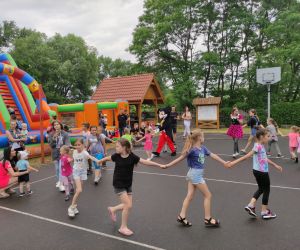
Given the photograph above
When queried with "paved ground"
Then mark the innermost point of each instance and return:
(41, 222)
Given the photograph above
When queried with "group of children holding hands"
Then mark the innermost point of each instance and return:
(74, 169)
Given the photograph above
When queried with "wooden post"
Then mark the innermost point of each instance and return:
(41, 127)
(139, 113)
(155, 110)
(197, 116)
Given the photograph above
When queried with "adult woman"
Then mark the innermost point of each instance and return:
(57, 139)
(235, 130)
(13, 136)
(8, 177)
(187, 118)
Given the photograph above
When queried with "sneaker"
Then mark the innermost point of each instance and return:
(76, 211)
(72, 191)
(29, 192)
(165, 151)
(97, 179)
(296, 160)
(67, 197)
(150, 158)
(61, 188)
(155, 154)
(71, 212)
(279, 156)
(268, 154)
(173, 153)
(243, 152)
(268, 215)
(21, 194)
(235, 155)
(251, 211)
(57, 184)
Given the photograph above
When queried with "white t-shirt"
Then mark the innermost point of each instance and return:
(80, 159)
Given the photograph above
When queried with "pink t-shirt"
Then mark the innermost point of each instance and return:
(4, 175)
(66, 168)
(293, 142)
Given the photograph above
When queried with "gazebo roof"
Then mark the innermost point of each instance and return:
(136, 88)
(207, 101)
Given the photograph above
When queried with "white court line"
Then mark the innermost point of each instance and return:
(49, 177)
(81, 228)
(209, 179)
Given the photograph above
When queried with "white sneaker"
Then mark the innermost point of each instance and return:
(61, 188)
(71, 212)
(76, 211)
(57, 184)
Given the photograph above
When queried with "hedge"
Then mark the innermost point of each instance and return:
(284, 113)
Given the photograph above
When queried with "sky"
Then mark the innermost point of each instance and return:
(104, 24)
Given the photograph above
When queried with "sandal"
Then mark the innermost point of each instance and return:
(184, 221)
(208, 222)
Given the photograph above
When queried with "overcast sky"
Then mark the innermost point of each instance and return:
(104, 24)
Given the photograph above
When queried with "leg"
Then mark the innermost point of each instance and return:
(207, 200)
(170, 143)
(161, 142)
(269, 146)
(65, 182)
(126, 200)
(277, 148)
(78, 190)
(56, 165)
(250, 139)
(187, 200)
(21, 187)
(28, 187)
(259, 179)
(188, 127)
(266, 191)
(148, 153)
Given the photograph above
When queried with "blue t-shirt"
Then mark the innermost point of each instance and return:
(260, 159)
(22, 165)
(196, 157)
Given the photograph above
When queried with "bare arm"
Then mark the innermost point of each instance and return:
(149, 163)
(143, 138)
(275, 165)
(217, 158)
(16, 174)
(32, 168)
(107, 158)
(231, 164)
(10, 137)
(180, 158)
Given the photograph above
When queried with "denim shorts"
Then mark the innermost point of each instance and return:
(195, 176)
(120, 191)
(98, 156)
(253, 131)
(80, 174)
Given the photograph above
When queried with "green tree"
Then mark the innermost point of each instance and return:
(8, 32)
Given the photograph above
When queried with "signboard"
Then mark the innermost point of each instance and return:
(207, 113)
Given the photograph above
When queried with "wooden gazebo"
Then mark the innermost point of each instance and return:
(136, 89)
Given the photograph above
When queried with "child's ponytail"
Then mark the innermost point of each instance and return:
(195, 135)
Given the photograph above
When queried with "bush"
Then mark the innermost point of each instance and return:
(284, 113)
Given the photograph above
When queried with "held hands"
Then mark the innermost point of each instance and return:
(228, 164)
(279, 168)
(164, 166)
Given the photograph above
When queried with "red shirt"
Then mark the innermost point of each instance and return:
(4, 175)
(66, 168)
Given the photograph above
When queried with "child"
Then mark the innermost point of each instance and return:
(66, 171)
(23, 166)
(195, 152)
(80, 157)
(293, 142)
(125, 161)
(254, 125)
(128, 136)
(148, 146)
(85, 132)
(261, 174)
(273, 130)
(235, 130)
(96, 147)
(23, 134)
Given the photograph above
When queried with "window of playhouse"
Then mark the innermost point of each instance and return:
(68, 119)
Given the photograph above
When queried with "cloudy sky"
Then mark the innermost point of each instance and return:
(104, 24)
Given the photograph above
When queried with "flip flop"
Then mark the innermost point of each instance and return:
(126, 232)
(112, 215)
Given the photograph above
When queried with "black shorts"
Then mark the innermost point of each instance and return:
(174, 128)
(119, 191)
(23, 178)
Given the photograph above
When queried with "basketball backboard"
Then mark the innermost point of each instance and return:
(268, 75)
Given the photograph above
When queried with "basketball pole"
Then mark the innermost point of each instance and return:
(269, 99)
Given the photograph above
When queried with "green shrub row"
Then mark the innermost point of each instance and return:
(284, 113)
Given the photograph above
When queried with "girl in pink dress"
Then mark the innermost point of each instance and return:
(235, 130)
(293, 143)
(148, 146)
